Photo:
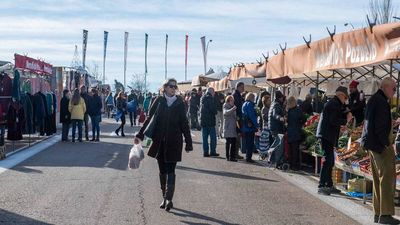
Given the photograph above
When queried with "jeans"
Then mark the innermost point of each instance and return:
(79, 123)
(230, 148)
(109, 109)
(65, 131)
(325, 179)
(248, 145)
(95, 126)
(86, 120)
(194, 123)
(132, 118)
(209, 131)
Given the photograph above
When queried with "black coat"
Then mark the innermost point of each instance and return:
(171, 124)
(306, 107)
(65, 115)
(194, 103)
(331, 119)
(295, 121)
(208, 110)
(238, 103)
(94, 106)
(378, 122)
(357, 106)
(15, 121)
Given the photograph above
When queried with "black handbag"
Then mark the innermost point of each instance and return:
(150, 128)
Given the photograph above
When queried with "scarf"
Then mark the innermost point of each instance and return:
(170, 100)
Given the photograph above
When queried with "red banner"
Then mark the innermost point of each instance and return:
(33, 65)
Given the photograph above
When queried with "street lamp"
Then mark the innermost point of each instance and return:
(346, 24)
(205, 53)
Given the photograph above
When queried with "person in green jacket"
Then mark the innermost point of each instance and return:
(146, 103)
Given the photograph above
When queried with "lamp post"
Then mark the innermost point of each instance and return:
(346, 24)
(205, 53)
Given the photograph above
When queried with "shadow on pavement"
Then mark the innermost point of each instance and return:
(7, 217)
(85, 154)
(224, 173)
(186, 213)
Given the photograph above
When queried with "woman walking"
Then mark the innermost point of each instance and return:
(77, 108)
(95, 114)
(295, 122)
(65, 115)
(229, 131)
(168, 111)
(250, 125)
(110, 104)
(121, 110)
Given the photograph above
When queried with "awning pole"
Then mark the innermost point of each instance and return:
(317, 97)
(397, 89)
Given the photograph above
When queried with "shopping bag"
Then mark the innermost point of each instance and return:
(118, 115)
(142, 117)
(135, 156)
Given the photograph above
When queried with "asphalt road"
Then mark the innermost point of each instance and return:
(89, 183)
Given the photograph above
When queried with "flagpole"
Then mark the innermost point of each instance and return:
(145, 60)
(186, 51)
(104, 56)
(166, 51)
(125, 56)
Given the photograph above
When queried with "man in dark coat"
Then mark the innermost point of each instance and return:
(276, 115)
(378, 139)
(194, 104)
(86, 97)
(65, 115)
(133, 115)
(306, 106)
(239, 103)
(356, 103)
(332, 118)
(207, 122)
(95, 105)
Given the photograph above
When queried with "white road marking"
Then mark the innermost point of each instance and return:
(20, 156)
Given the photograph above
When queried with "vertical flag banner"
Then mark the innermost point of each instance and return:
(145, 60)
(104, 56)
(166, 50)
(125, 55)
(186, 55)
(203, 47)
(84, 46)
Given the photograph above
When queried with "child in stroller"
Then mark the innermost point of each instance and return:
(277, 152)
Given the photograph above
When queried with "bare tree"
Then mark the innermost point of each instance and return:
(381, 10)
(138, 83)
(93, 70)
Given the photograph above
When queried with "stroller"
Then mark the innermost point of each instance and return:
(265, 141)
(278, 152)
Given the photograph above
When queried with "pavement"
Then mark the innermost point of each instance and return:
(89, 183)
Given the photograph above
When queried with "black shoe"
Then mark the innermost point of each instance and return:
(233, 160)
(73, 140)
(250, 161)
(123, 135)
(376, 218)
(388, 219)
(92, 139)
(324, 191)
(169, 205)
(206, 155)
(334, 190)
(87, 138)
(97, 140)
(240, 157)
(80, 140)
(163, 203)
(214, 154)
(117, 133)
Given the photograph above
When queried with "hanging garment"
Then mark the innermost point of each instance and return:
(53, 116)
(5, 96)
(40, 112)
(15, 121)
(28, 109)
(32, 100)
(16, 85)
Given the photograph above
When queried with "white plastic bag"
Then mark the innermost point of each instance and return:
(135, 156)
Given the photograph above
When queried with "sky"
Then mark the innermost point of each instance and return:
(240, 31)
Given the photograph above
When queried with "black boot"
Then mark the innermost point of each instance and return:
(117, 131)
(163, 183)
(169, 193)
(122, 132)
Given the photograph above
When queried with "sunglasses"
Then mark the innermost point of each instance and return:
(173, 86)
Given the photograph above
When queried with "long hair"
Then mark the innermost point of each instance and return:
(120, 95)
(76, 97)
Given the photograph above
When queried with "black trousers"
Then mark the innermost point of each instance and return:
(194, 123)
(65, 131)
(325, 179)
(166, 167)
(86, 123)
(294, 150)
(132, 118)
(230, 148)
(123, 121)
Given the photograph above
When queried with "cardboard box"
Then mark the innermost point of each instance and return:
(357, 185)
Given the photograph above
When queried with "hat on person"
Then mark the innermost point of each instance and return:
(278, 94)
(354, 84)
(343, 90)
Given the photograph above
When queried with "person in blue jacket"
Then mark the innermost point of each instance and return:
(250, 125)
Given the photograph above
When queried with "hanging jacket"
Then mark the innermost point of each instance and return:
(15, 121)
